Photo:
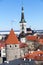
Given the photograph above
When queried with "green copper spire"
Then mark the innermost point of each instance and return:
(22, 16)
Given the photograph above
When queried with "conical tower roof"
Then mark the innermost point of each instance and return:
(22, 16)
(12, 38)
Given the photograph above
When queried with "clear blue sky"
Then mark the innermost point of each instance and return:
(10, 10)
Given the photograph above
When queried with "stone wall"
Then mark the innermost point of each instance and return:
(12, 52)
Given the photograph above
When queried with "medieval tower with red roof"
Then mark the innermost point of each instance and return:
(12, 46)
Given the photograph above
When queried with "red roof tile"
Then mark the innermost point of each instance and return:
(35, 38)
(23, 45)
(12, 38)
(31, 38)
(34, 55)
(38, 52)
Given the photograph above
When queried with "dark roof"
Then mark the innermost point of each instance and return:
(29, 34)
(22, 21)
(22, 34)
(29, 29)
(20, 61)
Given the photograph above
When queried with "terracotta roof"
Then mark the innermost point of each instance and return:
(31, 38)
(34, 55)
(35, 38)
(12, 38)
(37, 52)
(23, 45)
(29, 56)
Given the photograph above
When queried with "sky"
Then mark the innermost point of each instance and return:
(10, 14)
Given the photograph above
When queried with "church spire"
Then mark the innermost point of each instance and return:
(22, 22)
(22, 16)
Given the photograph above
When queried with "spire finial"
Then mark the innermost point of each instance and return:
(22, 12)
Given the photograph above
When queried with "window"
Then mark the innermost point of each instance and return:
(10, 46)
(16, 56)
(15, 45)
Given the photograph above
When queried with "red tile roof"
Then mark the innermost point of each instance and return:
(37, 52)
(23, 45)
(12, 38)
(31, 38)
(35, 55)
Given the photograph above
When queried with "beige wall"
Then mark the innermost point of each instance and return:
(30, 45)
(24, 27)
(24, 51)
(13, 52)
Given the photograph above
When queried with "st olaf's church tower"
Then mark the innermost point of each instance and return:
(22, 22)
(22, 27)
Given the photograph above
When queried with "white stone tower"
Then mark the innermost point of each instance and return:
(22, 27)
